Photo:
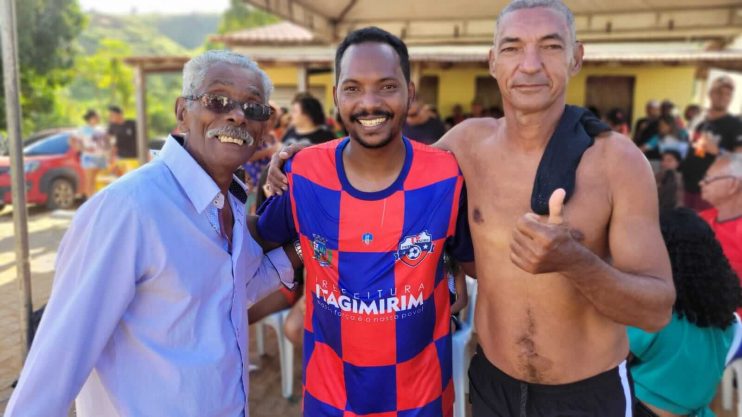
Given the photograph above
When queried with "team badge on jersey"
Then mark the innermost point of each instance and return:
(367, 238)
(321, 253)
(413, 249)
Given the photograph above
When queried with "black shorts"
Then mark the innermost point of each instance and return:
(495, 394)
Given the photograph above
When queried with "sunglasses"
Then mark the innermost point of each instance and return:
(223, 104)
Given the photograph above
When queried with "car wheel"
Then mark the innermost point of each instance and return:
(61, 194)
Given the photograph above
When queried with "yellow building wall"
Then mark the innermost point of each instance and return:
(287, 76)
(676, 83)
(456, 85)
(326, 81)
(283, 75)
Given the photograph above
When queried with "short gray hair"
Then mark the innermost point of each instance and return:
(195, 70)
(734, 161)
(556, 5)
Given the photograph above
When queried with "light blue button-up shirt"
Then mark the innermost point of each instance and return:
(148, 311)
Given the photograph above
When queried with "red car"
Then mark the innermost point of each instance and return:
(52, 170)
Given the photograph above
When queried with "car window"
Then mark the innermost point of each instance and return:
(53, 145)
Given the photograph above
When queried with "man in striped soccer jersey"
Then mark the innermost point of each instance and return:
(373, 214)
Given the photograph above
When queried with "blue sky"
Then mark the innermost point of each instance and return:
(155, 6)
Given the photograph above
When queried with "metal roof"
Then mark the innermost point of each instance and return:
(467, 21)
(634, 52)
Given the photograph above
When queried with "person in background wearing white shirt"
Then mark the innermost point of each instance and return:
(94, 146)
(153, 278)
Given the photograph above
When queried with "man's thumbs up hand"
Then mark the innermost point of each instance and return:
(543, 244)
(556, 206)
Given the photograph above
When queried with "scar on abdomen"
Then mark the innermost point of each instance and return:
(477, 216)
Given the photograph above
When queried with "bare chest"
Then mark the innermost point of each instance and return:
(499, 186)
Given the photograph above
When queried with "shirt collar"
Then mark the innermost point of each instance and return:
(197, 184)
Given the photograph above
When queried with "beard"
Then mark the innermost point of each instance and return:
(379, 145)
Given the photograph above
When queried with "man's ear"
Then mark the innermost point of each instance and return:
(736, 186)
(411, 94)
(491, 61)
(181, 110)
(262, 130)
(577, 55)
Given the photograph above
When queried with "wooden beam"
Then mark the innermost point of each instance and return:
(302, 81)
(140, 84)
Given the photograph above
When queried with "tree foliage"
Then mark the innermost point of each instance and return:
(47, 30)
(101, 78)
(70, 61)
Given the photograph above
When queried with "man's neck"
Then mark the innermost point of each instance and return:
(730, 209)
(713, 114)
(222, 176)
(303, 129)
(223, 180)
(532, 131)
(375, 169)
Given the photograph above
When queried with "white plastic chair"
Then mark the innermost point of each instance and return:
(285, 348)
(461, 355)
(733, 371)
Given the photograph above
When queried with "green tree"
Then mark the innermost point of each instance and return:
(47, 30)
(101, 78)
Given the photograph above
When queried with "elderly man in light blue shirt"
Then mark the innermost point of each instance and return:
(147, 316)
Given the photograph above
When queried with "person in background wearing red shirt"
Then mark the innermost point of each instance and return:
(722, 188)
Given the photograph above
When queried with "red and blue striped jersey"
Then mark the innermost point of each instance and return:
(377, 338)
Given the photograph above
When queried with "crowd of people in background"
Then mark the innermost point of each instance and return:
(680, 149)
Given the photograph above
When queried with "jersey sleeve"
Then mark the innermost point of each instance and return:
(276, 221)
(460, 245)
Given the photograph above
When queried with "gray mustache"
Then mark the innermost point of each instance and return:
(234, 132)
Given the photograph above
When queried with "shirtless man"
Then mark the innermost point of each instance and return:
(556, 292)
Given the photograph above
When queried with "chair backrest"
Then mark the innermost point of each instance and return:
(735, 351)
(471, 288)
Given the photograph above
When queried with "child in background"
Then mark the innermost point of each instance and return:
(670, 180)
(666, 139)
